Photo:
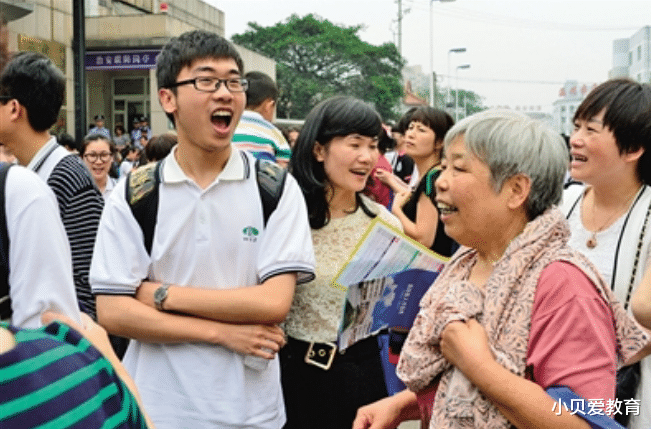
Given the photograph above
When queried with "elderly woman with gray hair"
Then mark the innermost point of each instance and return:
(516, 310)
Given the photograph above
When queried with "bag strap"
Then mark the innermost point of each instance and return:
(5, 300)
(271, 182)
(638, 252)
(142, 193)
(142, 189)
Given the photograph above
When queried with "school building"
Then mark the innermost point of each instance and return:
(123, 38)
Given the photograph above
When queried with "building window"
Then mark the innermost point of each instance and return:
(129, 86)
(639, 53)
(630, 58)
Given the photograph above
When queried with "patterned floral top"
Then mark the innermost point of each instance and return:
(316, 311)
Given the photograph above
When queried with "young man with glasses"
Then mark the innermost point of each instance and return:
(31, 94)
(203, 304)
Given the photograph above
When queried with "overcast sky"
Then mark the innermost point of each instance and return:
(520, 51)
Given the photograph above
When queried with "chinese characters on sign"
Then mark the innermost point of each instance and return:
(121, 60)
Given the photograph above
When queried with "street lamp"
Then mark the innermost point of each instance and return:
(456, 95)
(431, 49)
(449, 77)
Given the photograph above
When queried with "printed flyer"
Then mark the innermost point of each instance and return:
(385, 278)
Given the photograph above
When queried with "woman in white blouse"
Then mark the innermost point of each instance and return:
(331, 161)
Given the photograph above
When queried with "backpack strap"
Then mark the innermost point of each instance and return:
(271, 182)
(5, 300)
(142, 189)
(142, 196)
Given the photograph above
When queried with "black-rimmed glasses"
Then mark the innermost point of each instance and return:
(212, 84)
(94, 156)
(6, 97)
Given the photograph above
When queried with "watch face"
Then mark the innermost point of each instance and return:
(160, 294)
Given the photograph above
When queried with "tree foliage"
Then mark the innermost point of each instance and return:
(317, 59)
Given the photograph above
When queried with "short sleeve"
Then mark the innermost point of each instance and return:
(287, 243)
(40, 265)
(120, 261)
(572, 340)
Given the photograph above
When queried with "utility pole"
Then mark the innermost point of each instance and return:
(79, 57)
(400, 27)
(401, 15)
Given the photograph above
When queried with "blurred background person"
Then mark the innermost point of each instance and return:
(375, 189)
(120, 138)
(160, 146)
(291, 135)
(130, 160)
(255, 132)
(99, 127)
(401, 163)
(135, 129)
(68, 142)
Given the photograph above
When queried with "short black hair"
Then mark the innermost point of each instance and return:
(403, 122)
(38, 85)
(261, 87)
(67, 141)
(183, 50)
(437, 120)
(627, 113)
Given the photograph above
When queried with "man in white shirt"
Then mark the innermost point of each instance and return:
(202, 305)
(40, 274)
(32, 90)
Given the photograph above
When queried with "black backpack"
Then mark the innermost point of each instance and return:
(142, 188)
(5, 300)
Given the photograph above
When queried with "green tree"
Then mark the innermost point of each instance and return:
(469, 103)
(317, 59)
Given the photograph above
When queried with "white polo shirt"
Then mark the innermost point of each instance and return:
(212, 238)
(40, 268)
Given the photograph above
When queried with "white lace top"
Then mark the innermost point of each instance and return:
(316, 311)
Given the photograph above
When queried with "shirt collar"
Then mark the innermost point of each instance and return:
(236, 168)
(45, 151)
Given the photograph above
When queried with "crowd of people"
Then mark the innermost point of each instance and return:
(211, 253)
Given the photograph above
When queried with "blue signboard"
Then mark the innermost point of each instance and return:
(121, 60)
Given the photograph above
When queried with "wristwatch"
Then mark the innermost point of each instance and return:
(160, 295)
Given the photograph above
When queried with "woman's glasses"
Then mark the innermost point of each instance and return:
(94, 156)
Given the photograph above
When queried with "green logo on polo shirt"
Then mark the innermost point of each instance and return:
(250, 233)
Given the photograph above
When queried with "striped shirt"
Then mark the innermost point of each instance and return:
(80, 207)
(261, 138)
(55, 379)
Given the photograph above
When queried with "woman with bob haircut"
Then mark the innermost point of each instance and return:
(331, 161)
(416, 209)
(516, 310)
(608, 213)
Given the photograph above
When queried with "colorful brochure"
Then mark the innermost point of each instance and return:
(385, 278)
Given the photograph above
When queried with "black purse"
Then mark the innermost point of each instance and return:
(628, 380)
